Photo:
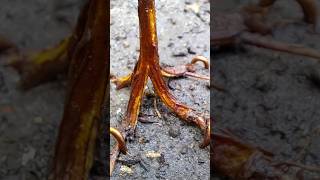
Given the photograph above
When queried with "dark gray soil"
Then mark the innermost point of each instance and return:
(29, 120)
(272, 98)
(183, 32)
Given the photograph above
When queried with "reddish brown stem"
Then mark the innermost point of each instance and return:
(79, 128)
(148, 66)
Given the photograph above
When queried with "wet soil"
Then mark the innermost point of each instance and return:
(30, 120)
(183, 32)
(272, 98)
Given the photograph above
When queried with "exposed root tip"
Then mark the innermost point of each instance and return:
(202, 59)
(120, 140)
(121, 82)
(206, 140)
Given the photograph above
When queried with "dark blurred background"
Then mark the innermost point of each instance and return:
(29, 119)
(272, 98)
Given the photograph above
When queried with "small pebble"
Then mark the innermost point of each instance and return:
(201, 161)
(125, 170)
(194, 7)
(153, 154)
(126, 44)
(29, 155)
(174, 132)
(184, 150)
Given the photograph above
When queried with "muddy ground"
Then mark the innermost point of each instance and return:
(183, 32)
(29, 120)
(272, 98)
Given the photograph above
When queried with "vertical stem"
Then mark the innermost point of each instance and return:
(149, 54)
(148, 66)
(148, 30)
(148, 58)
(86, 92)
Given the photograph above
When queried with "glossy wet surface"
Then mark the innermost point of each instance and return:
(168, 148)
